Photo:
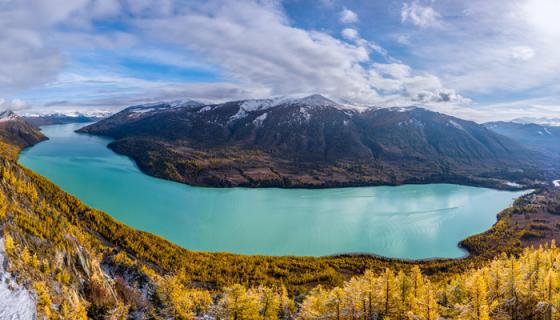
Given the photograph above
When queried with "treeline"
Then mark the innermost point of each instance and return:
(527, 287)
(509, 287)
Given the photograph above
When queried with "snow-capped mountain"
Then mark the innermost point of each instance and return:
(287, 141)
(8, 115)
(541, 121)
(159, 106)
(43, 119)
(17, 131)
(541, 138)
(75, 114)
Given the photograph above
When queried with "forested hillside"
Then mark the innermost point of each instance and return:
(315, 142)
(82, 263)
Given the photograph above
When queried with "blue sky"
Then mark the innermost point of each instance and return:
(481, 60)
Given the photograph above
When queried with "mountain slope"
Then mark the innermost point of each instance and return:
(540, 138)
(80, 263)
(17, 131)
(314, 142)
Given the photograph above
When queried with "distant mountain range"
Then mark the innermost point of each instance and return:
(315, 142)
(62, 118)
(540, 138)
(555, 122)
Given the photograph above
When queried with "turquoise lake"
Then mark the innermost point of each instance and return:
(411, 221)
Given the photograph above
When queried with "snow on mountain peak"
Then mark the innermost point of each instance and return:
(402, 109)
(315, 100)
(8, 115)
(248, 106)
(555, 122)
(146, 107)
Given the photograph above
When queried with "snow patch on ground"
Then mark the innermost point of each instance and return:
(260, 119)
(16, 302)
(456, 125)
(255, 105)
(513, 184)
(305, 114)
(207, 108)
(412, 121)
(142, 110)
(402, 109)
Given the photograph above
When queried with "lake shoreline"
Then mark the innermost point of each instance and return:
(490, 183)
(458, 180)
(355, 196)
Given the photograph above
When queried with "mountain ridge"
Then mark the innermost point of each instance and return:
(537, 137)
(17, 131)
(315, 142)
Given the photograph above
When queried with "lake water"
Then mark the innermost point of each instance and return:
(411, 221)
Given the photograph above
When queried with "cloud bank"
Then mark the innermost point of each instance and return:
(107, 53)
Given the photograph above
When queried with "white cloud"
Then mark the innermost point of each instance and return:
(441, 95)
(487, 55)
(548, 107)
(348, 16)
(419, 15)
(31, 44)
(15, 104)
(394, 70)
(542, 15)
(234, 37)
(26, 59)
(523, 53)
(403, 39)
(350, 34)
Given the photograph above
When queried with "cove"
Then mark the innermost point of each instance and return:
(410, 221)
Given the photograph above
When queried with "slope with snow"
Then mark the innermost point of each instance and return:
(8, 115)
(16, 302)
(304, 141)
